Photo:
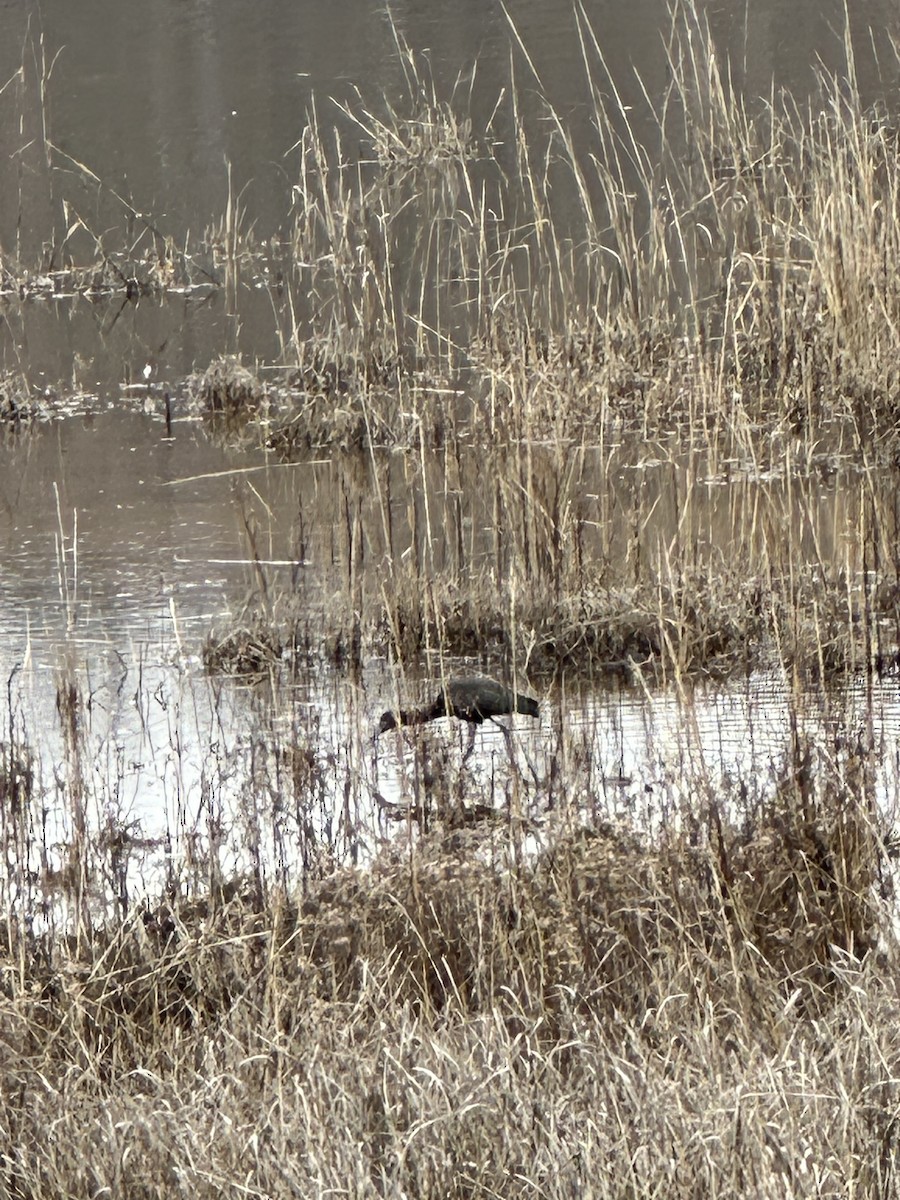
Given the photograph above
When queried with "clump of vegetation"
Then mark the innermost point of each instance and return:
(689, 626)
(725, 308)
(283, 636)
(228, 389)
(17, 406)
(255, 649)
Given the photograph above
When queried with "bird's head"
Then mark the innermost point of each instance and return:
(388, 721)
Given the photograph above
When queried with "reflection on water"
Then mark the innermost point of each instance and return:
(117, 563)
(122, 547)
(190, 773)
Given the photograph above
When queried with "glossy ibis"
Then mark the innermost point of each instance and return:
(474, 700)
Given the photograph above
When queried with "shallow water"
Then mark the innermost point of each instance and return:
(117, 563)
(123, 547)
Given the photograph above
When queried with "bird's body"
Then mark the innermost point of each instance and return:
(475, 699)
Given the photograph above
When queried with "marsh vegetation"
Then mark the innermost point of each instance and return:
(616, 420)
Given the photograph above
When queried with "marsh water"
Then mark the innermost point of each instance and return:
(125, 545)
(124, 541)
(143, 111)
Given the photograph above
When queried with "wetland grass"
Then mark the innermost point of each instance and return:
(464, 1017)
(478, 1006)
(649, 432)
(228, 389)
(17, 406)
(623, 409)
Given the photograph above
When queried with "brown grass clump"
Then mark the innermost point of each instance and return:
(716, 624)
(228, 389)
(247, 650)
(428, 561)
(17, 406)
(283, 633)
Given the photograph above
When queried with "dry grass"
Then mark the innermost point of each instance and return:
(574, 347)
(587, 562)
(17, 406)
(728, 279)
(710, 1009)
(590, 410)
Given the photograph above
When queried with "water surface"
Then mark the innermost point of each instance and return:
(123, 547)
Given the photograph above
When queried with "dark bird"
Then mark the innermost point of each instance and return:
(474, 700)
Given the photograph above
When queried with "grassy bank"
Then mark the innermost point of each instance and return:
(711, 1008)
